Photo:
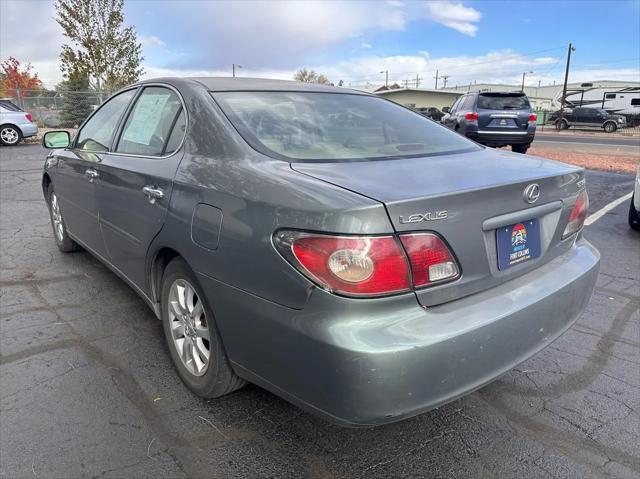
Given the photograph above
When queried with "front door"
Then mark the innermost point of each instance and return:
(136, 179)
(77, 172)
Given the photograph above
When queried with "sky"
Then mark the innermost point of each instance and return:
(353, 41)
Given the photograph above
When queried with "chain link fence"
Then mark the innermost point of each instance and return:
(56, 109)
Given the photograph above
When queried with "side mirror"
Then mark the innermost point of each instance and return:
(446, 109)
(56, 139)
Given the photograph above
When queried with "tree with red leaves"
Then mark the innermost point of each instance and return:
(14, 76)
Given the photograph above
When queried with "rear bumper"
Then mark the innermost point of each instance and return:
(491, 138)
(369, 362)
(28, 129)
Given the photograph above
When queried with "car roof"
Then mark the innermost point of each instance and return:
(258, 84)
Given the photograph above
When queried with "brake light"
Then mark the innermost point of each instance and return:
(471, 116)
(29, 117)
(353, 266)
(430, 258)
(366, 266)
(533, 118)
(578, 215)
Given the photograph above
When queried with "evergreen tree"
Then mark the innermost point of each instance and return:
(76, 105)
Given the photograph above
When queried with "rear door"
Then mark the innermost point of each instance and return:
(77, 175)
(503, 112)
(136, 178)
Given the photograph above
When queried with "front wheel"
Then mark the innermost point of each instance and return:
(63, 240)
(10, 135)
(634, 218)
(610, 127)
(520, 148)
(562, 125)
(192, 336)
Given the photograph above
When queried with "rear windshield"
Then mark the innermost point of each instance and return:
(308, 126)
(502, 101)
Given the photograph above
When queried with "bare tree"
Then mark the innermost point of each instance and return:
(310, 76)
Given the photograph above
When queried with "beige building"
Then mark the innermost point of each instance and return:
(420, 97)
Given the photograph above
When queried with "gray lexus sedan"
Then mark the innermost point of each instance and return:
(335, 248)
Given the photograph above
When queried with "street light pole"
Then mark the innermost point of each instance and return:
(386, 78)
(523, 75)
(234, 69)
(570, 49)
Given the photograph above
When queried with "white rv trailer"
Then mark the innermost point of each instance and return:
(622, 101)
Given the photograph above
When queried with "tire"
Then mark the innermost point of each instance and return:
(610, 127)
(520, 148)
(63, 241)
(194, 335)
(634, 218)
(562, 125)
(10, 135)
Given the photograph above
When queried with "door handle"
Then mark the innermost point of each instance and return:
(153, 193)
(91, 174)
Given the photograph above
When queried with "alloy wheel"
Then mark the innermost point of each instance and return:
(9, 136)
(56, 217)
(189, 327)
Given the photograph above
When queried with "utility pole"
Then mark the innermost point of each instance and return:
(418, 80)
(406, 83)
(444, 79)
(436, 77)
(234, 69)
(386, 78)
(524, 74)
(570, 49)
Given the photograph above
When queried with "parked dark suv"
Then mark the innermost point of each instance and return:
(588, 118)
(494, 119)
(431, 112)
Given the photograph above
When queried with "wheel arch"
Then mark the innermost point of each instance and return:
(46, 183)
(157, 265)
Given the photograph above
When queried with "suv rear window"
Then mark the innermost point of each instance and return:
(307, 126)
(503, 101)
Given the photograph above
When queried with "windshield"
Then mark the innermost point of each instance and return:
(487, 101)
(310, 126)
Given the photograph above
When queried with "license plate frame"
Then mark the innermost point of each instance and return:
(518, 243)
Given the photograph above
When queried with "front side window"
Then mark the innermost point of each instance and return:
(310, 126)
(610, 96)
(503, 101)
(98, 131)
(149, 125)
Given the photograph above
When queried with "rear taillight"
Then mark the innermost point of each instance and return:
(578, 215)
(431, 260)
(533, 118)
(29, 117)
(471, 116)
(366, 266)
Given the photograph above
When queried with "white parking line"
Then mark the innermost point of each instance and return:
(605, 209)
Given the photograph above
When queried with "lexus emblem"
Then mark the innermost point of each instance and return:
(532, 193)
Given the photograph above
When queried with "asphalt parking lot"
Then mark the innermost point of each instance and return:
(87, 388)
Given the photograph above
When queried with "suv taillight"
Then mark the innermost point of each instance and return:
(578, 215)
(368, 266)
(533, 118)
(471, 116)
(29, 117)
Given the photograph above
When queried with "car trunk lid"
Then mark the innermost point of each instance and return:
(466, 198)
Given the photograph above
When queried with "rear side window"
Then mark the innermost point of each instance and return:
(7, 105)
(469, 103)
(489, 101)
(149, 125)
(98, 131)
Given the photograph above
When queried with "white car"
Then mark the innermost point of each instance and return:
(15, 124)
(634, 207)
